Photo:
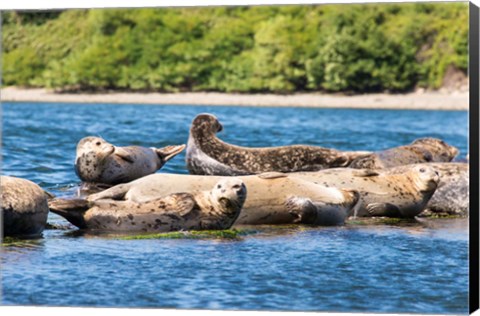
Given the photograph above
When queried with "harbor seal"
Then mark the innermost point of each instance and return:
(204, 210)
(273, 198)
(99, 161)
(404, 194)
(24, 207)
(421, 150)
(452, 194)
(208, 155)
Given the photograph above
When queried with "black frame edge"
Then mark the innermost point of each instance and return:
(474, 69)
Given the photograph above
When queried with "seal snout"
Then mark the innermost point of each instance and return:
(232, 190)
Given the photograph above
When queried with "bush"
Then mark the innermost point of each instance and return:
(281, 49)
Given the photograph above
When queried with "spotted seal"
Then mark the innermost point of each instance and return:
(452, 194)
(208, 155)
(420, 150)
(24, 207)
(273, 198)
(214, 209)
(99, 161)
(401, 194)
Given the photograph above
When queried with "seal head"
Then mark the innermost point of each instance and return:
(439, 150)
(425, 178)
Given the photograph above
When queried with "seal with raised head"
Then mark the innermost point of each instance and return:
(99, 161)
(452, 194)
(24, 207)
(273, 198)
(208, 155)
(203, 210)
(382, 193)
(419, 151)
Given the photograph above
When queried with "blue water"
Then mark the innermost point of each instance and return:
(419, 267)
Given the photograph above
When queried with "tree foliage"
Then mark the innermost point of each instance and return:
(281, 49)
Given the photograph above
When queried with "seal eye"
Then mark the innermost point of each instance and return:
(236, 187)
(219, 186)
(98, 143)
(422, 169)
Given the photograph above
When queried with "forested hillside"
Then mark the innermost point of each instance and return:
(281, 49)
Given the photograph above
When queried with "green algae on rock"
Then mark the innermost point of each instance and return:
(194, 234)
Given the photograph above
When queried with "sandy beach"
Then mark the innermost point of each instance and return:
(421, 100)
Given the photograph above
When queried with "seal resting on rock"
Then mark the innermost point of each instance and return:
(24, 207)
(452, 194)
(273, 198)
(421, 150)
(208, 155)
(401, 194)
(204, 210)
(382, 194)
(99, 161)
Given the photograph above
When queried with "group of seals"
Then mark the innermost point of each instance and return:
(208, 155)
(24, 207)
(273, 198)
(101, 162)
(214, 209)
(288, 184)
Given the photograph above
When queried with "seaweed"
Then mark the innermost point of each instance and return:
(228, 234)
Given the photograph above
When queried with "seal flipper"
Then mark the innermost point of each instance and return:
(168, 152)
(302, 210)
(272, 175)
(72, 210)
(116, 193)
(182, 203)
(365, 173)
(125, 155)
(383, 209)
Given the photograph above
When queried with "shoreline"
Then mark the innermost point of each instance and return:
(437, 100)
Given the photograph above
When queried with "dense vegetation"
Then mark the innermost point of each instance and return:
(358, 48)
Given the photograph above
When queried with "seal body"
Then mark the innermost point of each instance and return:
(401, 194)
(273, 198)
(452, 194)
(214, 209)
(208, 155)
(101, 162)
(419, 151)
(24, 207)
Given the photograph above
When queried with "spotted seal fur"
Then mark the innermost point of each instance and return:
(419, 151)
(99, 161)
(400, 194)
(204, 210)
(208, 155)
(273, 198)
(452, 194)
(23, 206)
